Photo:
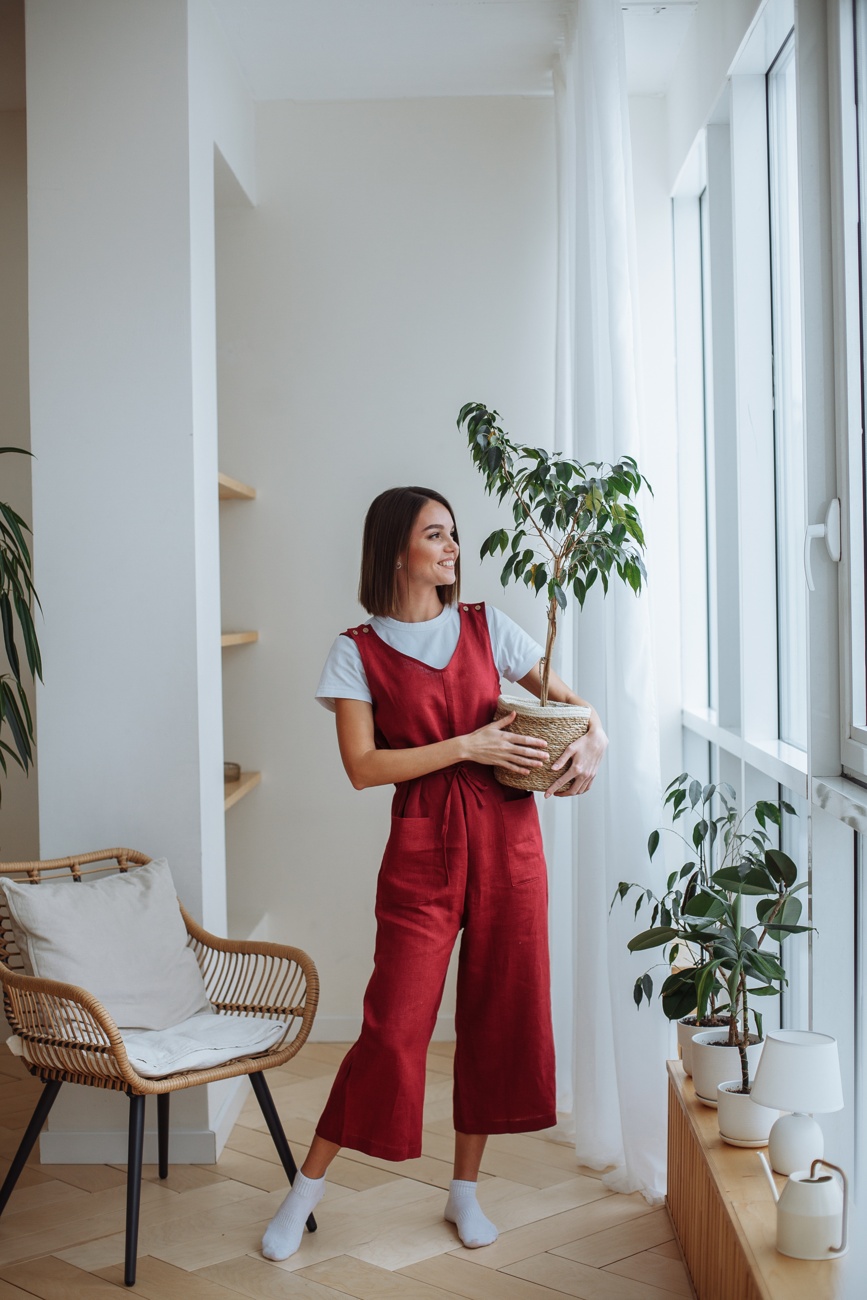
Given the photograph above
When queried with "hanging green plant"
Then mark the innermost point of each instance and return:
(17, 597)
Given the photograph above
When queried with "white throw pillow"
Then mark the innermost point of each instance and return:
(120, 937)
(202, 1041)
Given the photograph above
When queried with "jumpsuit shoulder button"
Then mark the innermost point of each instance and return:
(355, 631)
(365, 630)
(477, 607)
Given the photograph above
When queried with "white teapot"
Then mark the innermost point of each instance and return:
(812, 1212)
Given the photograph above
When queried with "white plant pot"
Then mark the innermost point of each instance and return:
(685, 1034)
(742, 1123)
(713, 1064)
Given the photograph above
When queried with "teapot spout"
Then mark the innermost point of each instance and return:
(769, 1175)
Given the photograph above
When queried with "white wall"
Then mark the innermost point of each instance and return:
(123, 404)
(711, 43)
(400, 261)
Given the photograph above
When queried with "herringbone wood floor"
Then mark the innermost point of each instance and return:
(381, 1233)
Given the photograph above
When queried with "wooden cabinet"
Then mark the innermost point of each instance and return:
(724, 1215)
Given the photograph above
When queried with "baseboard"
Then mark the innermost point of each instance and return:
(109, 1147)
(345, 1029)
(187, 1147)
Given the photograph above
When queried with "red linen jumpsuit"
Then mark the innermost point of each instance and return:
(464, 852)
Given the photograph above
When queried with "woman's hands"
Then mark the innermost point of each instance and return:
(495, 746)
(579, 763)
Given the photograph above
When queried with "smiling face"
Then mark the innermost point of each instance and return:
(433, 549)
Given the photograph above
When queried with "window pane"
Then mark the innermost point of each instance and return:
(788, 405)
(710, 519)
(856, 456)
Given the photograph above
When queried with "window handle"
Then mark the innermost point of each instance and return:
(830, 530)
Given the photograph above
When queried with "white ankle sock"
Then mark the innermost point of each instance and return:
(463, 1210)
(283, 1234)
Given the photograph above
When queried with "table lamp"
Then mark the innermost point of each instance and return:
(798, 1071)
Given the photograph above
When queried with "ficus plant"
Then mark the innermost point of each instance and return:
(702, 918)
(17, 597)
(573, 524)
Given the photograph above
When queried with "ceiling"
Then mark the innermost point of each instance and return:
(396, 49)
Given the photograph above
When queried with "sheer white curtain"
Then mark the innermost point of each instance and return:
(610, 1055)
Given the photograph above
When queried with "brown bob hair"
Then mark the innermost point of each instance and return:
(387, 529)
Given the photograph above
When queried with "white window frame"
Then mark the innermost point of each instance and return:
(851, 327)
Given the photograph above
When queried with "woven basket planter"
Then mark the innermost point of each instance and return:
(559, 724)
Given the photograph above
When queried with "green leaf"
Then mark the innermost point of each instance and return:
(558, 594)
(766, 966)
(653, 938)
(677, 995)
(754, 881)
(653, 844)
(781, 867)
(9, 635)
(694, 793)
(706, 905)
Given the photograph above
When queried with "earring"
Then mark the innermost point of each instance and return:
(399, 565)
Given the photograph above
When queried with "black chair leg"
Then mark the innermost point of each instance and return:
(163, 1132)
(34, 1128)
(133, 1185)
(275, 1128)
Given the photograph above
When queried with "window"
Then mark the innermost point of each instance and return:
(790, 495)
(853, 458)
(706, 543)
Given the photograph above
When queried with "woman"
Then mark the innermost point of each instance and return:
(414, 690)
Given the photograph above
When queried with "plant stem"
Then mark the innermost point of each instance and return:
(549, 646)
(745, 1034)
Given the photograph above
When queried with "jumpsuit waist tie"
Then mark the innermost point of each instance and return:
(471, 784)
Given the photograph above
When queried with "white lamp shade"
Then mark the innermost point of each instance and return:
(799, 1070)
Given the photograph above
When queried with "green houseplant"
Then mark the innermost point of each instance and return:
(17, 595)
(572, 525)
(703, 914)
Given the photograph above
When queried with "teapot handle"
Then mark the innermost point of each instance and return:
(827, 1163)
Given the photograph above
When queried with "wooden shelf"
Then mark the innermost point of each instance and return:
(232, 489)
(238, 638)
(724, 1215)
(235, 790)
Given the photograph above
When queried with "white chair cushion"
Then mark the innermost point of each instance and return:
(120, 937)
(204, 1040)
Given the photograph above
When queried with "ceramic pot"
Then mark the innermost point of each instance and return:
(685, 1034)
(742, 1122)
(713, 1062)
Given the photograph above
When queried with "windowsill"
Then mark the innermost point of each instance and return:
(781, 762)
(843, 799)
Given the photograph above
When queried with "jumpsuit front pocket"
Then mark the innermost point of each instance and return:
(414, 848)
(523, 837)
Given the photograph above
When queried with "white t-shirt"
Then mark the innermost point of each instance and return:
(433, 642)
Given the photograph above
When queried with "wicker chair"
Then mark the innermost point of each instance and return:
(68, 1037)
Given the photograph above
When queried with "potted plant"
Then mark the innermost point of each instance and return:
(707, 842)
(16, 596)
(572, 525)
(708, 916)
